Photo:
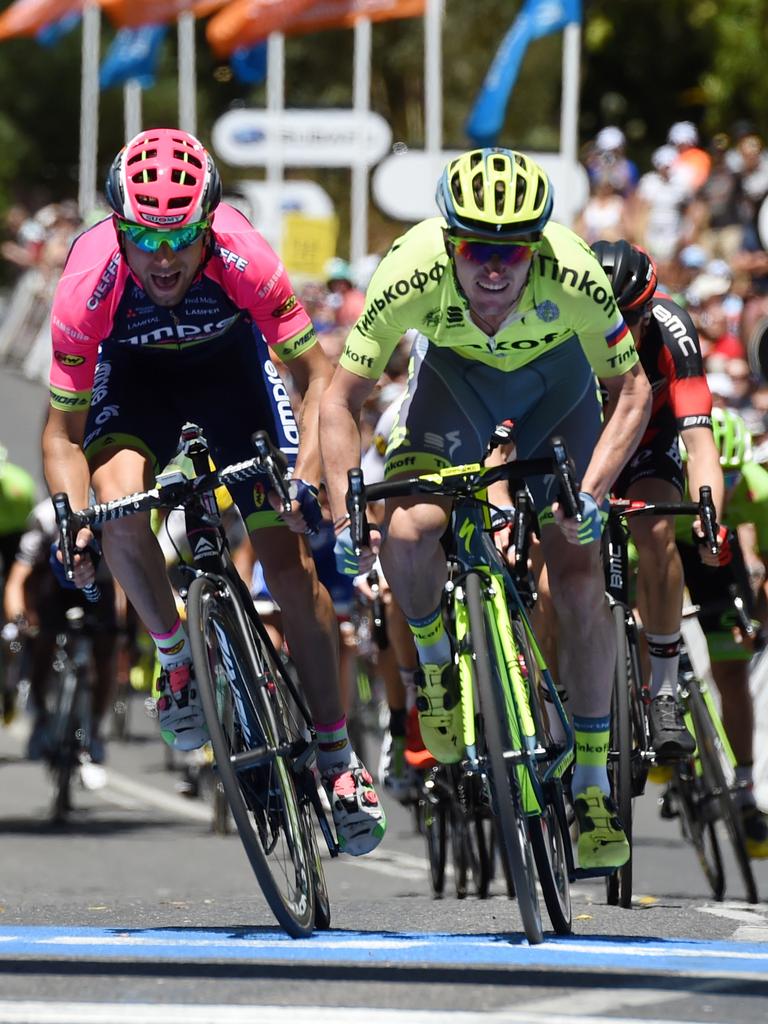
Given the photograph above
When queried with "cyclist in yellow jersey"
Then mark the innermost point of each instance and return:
(516, 317)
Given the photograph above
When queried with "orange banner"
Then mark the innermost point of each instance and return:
(245, 22)
(26, 17)
(135, 13)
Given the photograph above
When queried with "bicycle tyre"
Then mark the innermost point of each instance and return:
(514, 837)
(688, 795)
(64, 745)
(436, 835)
(716, 769)
(459, 851)
(619, 884)
(233, 671)
(548, 837)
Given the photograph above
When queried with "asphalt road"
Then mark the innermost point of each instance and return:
(137, 911)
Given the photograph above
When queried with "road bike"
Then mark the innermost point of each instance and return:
(71, 722)
(509, 751)
(261, 730)
(702, 786)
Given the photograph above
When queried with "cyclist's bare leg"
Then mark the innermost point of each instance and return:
(132, 551)
(585, 640)
(732, 681)
(309, 619)
(660, 580)
(412, 557)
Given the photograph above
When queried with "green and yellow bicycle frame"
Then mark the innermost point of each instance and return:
(475, 552)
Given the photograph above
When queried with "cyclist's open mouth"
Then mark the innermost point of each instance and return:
(493, 286)
(166, 282)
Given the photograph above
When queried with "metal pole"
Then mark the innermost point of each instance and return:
(433, 76)
(132, 116)
(187, 72)
(569, 104)
(272, 226)
(361, 103)
(89, 109)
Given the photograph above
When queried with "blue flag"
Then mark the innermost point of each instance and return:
(51, 33)
(536, 18)
(250, 64)
(134, 54)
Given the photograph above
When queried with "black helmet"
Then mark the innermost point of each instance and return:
(630, 270)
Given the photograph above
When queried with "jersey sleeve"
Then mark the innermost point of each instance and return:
(689, 396)
(750, 503)
(591, 308)
(251, 272)
(410, 272)
(82, 313)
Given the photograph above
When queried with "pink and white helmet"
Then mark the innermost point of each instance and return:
(163, 178)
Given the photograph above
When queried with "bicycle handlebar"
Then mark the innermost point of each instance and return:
(170, 492)
(460, 482)
(704, 509)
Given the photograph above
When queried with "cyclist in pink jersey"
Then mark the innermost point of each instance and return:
(170, 311)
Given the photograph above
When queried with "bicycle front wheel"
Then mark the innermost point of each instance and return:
(719, 776)
(514, 836)
(234, 672)
(619, 884)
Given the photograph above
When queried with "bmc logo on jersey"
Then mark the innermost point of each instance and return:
(66, 359)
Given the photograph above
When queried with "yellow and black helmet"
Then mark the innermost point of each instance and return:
(495, 193)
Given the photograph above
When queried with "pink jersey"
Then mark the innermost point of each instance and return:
(243, 287)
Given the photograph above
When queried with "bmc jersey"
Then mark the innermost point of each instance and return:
(567, 295)
(671, 357)
(241, 292)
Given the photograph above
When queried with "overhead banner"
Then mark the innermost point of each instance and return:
(135, 13)
(244, 22)
(27, 17)
(133, 56)
(537, 18)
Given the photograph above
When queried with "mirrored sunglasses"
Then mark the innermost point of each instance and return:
(508, 253)
(150, 239)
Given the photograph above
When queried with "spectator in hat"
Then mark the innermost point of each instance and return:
(659, 203)
(607, 161)
(345, 299)
(713, 217)
(707, 304)
(692, 164)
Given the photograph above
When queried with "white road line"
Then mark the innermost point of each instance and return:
(146, 1013)
(179, 806)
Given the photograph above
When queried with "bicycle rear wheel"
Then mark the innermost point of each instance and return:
(235, 672)
(619, 884)
(687, 793)
(435, 811)
(514, 836)
(719, 777)
(65, 746)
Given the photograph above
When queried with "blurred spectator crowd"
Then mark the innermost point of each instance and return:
(699, 210)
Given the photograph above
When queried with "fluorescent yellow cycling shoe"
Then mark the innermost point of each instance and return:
(602, 843)
(755, 825)
(660, 774)
(439, 710)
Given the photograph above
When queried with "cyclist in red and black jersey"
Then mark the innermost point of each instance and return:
(169, 311)
(669, 351)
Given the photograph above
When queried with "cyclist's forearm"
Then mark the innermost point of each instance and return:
(626, 419)
(704, 470)
(340, 445)
(65, 469)
(308, 462)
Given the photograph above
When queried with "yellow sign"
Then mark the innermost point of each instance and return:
(308, 244)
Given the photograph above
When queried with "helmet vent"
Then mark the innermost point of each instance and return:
(183, 178)
(141, 156)
(178, 202)
(186, 157)
(456, 190)
(147, 201)
(500, 194)
(478, 189)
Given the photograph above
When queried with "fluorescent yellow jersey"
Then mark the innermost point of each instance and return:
(567, 294)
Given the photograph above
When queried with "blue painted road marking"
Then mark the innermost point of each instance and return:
(370, 948)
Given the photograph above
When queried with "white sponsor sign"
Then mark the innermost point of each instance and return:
(301, 138)
(404, 184)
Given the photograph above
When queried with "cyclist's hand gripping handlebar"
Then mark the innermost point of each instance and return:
(273, 465)
(708, 517)
(565, 471)
(68, 525)
(358, 524)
